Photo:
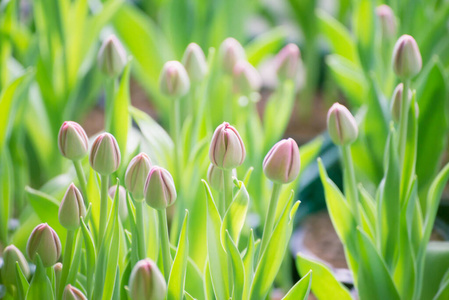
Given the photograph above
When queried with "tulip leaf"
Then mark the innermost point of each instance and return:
(324, 284)
(301, 289)
(264, 44)
(89, 246)
(6, 192)
(248, 263)
(238, 270)
(22, 282)
(40, 286)
(176, 281)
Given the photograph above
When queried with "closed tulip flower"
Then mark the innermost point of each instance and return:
(71, 208)
(44, 241)
(230, 53)
(105, 154)
(287, 62)
(246, 78)
(282, 163)
(226, 149)
(174, 81)
(160, 191)
(11, 255)
(195, 63)
(123, 208)
(136, 175)
(146, 282)
(72, 293)
(406, 61)
(72, 141)
(387, 21)
(341, 125)
(111, 57)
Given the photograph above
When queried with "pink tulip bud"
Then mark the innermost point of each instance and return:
(160, 191)
(105, 154)
(406, 61)
(174, 81)
(215, 177)
(72, 293)
(146, 282)
(287, 62)
(72, 141)
(111, 57)
(246, 79)
(230, 53)
(136, 175)
(71, 208)
(123, 208)
(195, 63)
(282, 162)
(11, 255)
(44, 241)
(226, 148)
(341, 125)
(387, 21)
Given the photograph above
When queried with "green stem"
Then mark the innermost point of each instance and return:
(140, 206)
(227, 189)
(103, 207)
(351, 182)
(405, 106)
(110, 87)
(82, 180)
(66, 261)
(221, 203)
(165, 244)
(269, 220)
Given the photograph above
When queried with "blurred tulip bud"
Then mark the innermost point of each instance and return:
(160, 191)
(287, 62)
(215, 177)
(387, 21)
(195, 63)
(123, 208)
(105, 154)
(246, 78)
(111, 57)
(72, 293)
(11, 255)
(136, 175)
(396, 102)
(406, 61)
(174, 81)
(226, 148)
(71, 208)
(282, 162)
(146, 282)
(72, 141)
(230, 53)
(58, 272)
(341, 125)
(44, 241)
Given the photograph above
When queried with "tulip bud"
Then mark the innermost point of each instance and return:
(195, 63)
(282, 162)
(341, 125)
(146, 282)
(397, 100)
(174, 81)
(123, 208)
(230, 53)
(160, 191)
(58, 272)
(136, 175)
(72, 293)
(71, 208)
(72, 141)
(226, 149)
(11, 255)
(406, 61)
(111, 57)
(387, 21)
(246, 78)
(215, 177)
(44, 241)
(287, 62)
(105, 154)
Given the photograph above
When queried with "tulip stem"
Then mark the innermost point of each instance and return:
(140, 228)
(103, 207)
(221, 204)
(163, 231)
(66, 261)
(82, 180)
(227, 189)
(405, 106)
(271, 214)
(351, 182)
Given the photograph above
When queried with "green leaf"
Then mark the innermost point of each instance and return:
(364, 26)
(248, 263)
(22, 283)
(216, 255)
(176, 281)
(324, 284)
(301, 289)
(238, 270)
(89, 246)
(265, 44)
(6, 192)
(271, 259)
(40, 286)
